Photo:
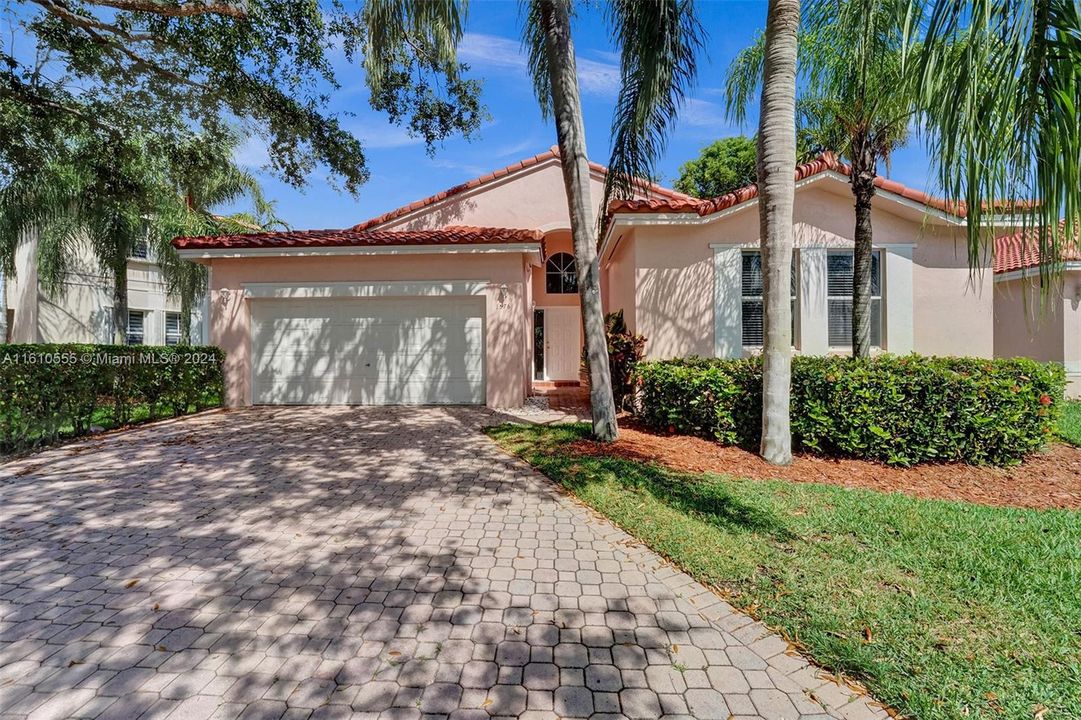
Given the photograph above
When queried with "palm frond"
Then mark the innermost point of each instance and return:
(533, 41)
(1000, 84)
(658, 44)
(744, 77)
(430, 28)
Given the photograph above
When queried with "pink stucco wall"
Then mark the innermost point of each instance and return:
(554, 242)
(1048, 330)
(953, 307)
(952, 314)
(506, 335)
(534, 198)
(618, 281)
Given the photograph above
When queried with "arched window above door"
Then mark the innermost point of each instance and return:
(560, 274)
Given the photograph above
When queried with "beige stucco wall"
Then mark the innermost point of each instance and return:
(506, 335)
(948, 314)
(1049, 331)
(81, 311)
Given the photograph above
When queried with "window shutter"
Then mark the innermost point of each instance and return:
(135, 327)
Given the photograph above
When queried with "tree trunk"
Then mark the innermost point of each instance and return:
(863, 188)
(776, 187)
(3, 309)
(185, 317)
(120, 301)
(567, 111)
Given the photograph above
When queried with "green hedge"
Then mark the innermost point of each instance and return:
(901, 410)
(52, 391)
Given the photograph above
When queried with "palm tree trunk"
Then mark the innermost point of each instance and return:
(185, 317)
(776, 186)
(120, 301)
(863, 188)
(567, 111)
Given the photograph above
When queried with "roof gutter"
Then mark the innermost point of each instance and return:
(1033, 271)
(298, 251)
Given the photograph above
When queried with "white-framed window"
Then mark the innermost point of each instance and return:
(135, 327)
(172, 328)
(839, 298)
(752, 288)
(561, 275)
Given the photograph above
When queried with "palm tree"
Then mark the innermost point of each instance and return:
(657, 43)
(854, 100)
(999, 87)
(110, 196)
(205, 177)
(98, 194)
(776, 190)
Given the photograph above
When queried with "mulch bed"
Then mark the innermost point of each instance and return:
(1049, 479)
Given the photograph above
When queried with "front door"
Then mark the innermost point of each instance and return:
(562, 343)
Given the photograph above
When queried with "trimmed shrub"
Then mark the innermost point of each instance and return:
(900, 410)
(53, 391)
(625, 351)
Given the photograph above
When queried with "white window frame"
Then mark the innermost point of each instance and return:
(561, 274)
(880, 255)
(170, 314)
(142, 327)
(795, 298)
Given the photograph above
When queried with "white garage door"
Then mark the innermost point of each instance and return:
(371, 351)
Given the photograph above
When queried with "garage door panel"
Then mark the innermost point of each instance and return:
(368, 351)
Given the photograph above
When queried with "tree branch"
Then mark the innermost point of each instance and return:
(228, 9)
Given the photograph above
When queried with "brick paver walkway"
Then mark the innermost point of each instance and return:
(348, 562)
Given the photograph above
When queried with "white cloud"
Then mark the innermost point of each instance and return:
(706, 115)
(495, 53)
(384, 136)
(470, 169)
(597, 77)
(491, 51)
(517, 148)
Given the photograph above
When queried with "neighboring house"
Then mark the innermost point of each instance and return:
(1027, 325)
(82, 311)
(470, 296)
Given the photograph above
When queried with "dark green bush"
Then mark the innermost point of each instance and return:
(625, 351)
(900, 410)
(50, 391)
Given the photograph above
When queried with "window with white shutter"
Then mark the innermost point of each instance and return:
(135, 327)
(751, 277)
(839, 299)
(172, 328)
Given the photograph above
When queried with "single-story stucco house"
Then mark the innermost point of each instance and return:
(1026, 325)
(470, 296)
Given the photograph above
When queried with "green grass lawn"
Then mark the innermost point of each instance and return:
(970, 611)
(1069, 427)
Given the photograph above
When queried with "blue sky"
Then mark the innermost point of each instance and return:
(401, 171)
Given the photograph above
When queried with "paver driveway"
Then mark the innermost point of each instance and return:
(348, 562)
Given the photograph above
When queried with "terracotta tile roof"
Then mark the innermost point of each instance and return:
(453, 235)
(553, 152)
(826, 161)
(1020, 251)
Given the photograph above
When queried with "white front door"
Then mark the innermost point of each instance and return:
(562, 343)
(372, 351)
